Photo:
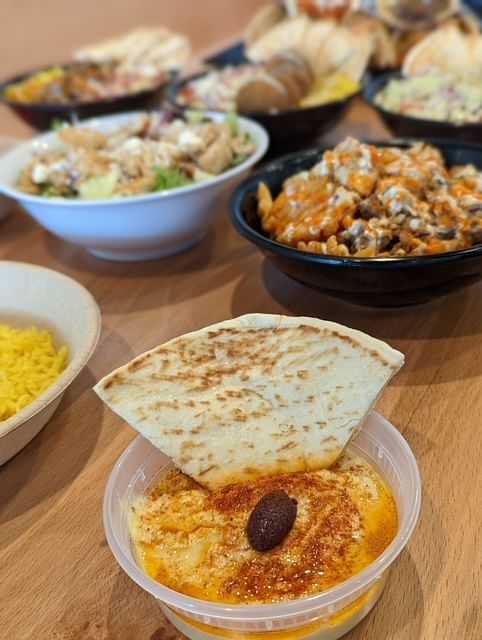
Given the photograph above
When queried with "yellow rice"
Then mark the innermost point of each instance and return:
(29, 363)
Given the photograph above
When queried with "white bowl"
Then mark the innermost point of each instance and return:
(31, 295)
(133, 228)
(326, 616)
(5, 203)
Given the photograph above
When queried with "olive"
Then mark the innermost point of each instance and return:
(271, 520)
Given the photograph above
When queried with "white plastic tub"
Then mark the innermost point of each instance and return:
(326, 616)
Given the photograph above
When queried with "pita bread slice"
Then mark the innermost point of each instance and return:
(313, 47)
(288, 34)
(255, 396)
(447, 50)
(348, 52)
(383, 42)
(264, 20)
(140, 49)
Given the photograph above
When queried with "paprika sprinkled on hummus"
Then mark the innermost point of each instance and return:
(195, 542)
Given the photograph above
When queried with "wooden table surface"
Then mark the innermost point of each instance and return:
(58, 578)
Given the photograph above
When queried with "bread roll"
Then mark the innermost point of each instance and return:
(263, 95)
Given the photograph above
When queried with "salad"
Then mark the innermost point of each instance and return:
(152, 153)
(434, 96)
(286, 81)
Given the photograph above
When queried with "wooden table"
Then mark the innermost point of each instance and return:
(58, 578)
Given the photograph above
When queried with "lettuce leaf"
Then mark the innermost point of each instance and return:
(194, 117)
(49, 191)
(169, 179)
(56, 124)
(233, 123)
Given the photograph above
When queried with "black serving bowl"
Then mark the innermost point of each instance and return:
(376, 282)
(41, 115)
(475, 5)
(233, 55)
(406, 126)
(288, 130)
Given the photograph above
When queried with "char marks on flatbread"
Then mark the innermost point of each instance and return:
(254, 396)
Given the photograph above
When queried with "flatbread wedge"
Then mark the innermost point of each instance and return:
(446, 50)
(265, 19)
(254, 396)
(287, 34)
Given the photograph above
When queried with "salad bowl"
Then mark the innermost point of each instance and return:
(133, 228)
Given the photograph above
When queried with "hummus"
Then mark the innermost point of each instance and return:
(194, 541)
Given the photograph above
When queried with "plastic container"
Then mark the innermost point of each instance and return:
(326, 616)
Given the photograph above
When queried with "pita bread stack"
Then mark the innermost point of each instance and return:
(287, 34)
(327, 45)
(254, 396)
(154, 48)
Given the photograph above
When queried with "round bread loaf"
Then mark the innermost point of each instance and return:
(262, 95)
(297, 59)
(289, 78)
(301, 74)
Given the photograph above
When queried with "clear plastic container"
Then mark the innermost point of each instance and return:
(326, 616)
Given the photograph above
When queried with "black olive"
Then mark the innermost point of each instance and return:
(271, 520)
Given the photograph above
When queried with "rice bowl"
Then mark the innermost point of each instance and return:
(50, 300)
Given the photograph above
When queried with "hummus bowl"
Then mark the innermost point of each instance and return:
(325, 616)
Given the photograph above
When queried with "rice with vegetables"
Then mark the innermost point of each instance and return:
(29, 364)
(152, 153)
